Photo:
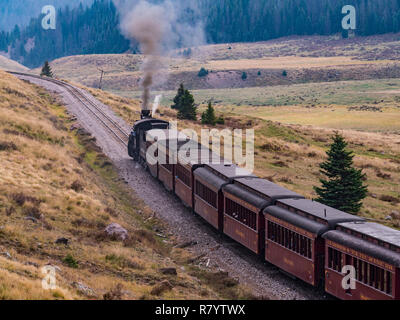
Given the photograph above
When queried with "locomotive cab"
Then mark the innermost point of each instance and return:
(137, 138)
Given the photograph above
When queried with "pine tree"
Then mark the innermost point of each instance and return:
(203, 72)
(46, 70)
(178, 98)
(344, 188)
(208, 116)
(187, 108)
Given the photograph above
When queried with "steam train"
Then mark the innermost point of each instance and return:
(304, 238)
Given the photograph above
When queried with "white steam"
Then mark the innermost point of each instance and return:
(156, 103)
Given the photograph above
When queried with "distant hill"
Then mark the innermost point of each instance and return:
(305, 59)
(96, 30)
(11, 65)
(19, 12)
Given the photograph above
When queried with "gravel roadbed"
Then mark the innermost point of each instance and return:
(220, 252)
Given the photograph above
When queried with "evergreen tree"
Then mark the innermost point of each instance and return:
(46, 70)
(208, 116)
(187, 53)
(344, 188)
(203, 72)
(80, 30)
(178, 98)
(187, 108)
(220, 120)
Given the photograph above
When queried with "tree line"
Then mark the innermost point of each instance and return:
(90, 30)
(95, 29)
(257, 20)
(21, 11)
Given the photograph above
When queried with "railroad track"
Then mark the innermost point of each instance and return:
(112, 126)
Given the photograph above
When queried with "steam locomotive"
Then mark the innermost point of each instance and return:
(304, 238)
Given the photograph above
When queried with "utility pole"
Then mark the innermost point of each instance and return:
(101, 77)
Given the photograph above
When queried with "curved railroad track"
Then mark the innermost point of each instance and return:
(119, 134)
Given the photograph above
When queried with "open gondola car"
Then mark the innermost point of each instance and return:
(208, 196)
(293, 233)
(374, 252)
(245, 201)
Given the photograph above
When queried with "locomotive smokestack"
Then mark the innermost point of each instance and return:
(145, 114)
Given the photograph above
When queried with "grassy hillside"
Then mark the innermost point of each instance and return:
(11, 65)
(368, 105)
(293, 116)
(309, 59)
(289, 154)
(55, 183)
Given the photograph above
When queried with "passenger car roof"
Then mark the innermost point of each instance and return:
(211, 178)
(266, 187)
(320, 210)
(297, 220)
(220, 174)
(375, 230)
(198, 154)
(228, 170)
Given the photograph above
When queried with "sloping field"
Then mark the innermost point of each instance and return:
(309, 59)
(11, 65)
(289, 154)
(55, 184)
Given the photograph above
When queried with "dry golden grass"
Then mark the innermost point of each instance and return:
(125, 68)
(289, 62)
(290, 154)
(56, 183)
(333, 116)
(11, 65)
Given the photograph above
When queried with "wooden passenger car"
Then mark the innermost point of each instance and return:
(374, 251)
(151, 158)
(245, 201)
(184, 177)
(293, 236)
(167, 157)
(208, 196)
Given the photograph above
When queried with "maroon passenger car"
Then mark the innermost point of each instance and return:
(293, 233)
(184, 177)
(208, 196)
(151, 158)
(374, 252)
(167, 142)
(245, 201)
